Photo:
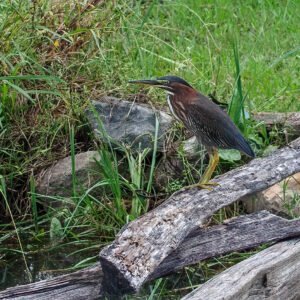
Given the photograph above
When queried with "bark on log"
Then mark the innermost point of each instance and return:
(289, 119)
(273, 273)
(235, 234)
(143, 244)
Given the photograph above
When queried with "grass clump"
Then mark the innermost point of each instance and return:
(56, 56)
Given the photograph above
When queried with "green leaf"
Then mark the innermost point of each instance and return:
(54, 33)
(20, 90)
(31, 77)
(56, 231)
(269, 150)
(230, 155)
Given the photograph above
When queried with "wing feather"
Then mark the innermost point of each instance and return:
(213, 127)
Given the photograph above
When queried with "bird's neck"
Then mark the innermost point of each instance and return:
(171, 99)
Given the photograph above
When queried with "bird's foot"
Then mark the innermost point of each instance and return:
(201, 185)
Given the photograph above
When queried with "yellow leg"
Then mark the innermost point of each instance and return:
(204, 182)
(213, 161)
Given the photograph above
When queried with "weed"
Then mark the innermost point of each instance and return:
(293, 204)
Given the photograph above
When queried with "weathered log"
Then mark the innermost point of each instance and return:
(143, 244)
(235, 234)
(83, 284)
(276, 199)
(288, 119)
(273, 273)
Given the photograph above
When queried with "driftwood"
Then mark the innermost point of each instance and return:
(235, 234)
(289, 119)
(145, 243)
(273, 273)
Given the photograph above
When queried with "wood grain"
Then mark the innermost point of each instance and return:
(273, 273)
(83, 284)
(236, 234)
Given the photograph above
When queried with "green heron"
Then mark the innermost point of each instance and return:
(212, 127)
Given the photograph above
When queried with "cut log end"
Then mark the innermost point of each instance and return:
(114, 284)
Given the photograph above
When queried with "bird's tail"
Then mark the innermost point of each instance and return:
(245, 147)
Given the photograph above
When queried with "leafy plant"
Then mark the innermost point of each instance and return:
(56, 230)
(236, 107)
(293, 204)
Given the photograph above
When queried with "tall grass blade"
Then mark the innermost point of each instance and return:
(147, 14)
(153, 156)
(31, 77)
(156, 286)
(20, 90)
(72, 142)
(34, 206)
(108, 166)
(97, 44)
(3, 192)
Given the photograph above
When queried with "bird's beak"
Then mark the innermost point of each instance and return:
(148, 82)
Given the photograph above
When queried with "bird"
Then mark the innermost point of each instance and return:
(210, 124)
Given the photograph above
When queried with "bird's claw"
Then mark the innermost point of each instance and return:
(201, 185)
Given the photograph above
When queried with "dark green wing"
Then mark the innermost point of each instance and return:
(213, 127)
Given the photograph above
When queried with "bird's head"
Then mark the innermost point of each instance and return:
(171, 84)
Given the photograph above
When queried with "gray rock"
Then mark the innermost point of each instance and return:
(191, 146)
(275, 200)
(57, 180)
(128, 122)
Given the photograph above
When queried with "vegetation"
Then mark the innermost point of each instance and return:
(56, 56)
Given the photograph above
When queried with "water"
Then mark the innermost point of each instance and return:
(42, 265)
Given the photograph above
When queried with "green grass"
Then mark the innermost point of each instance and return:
(56, 56)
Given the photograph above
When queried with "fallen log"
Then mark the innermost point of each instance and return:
(235, 234)
(288, 119)
(83, 284)
(273, 273)
(143, 244)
